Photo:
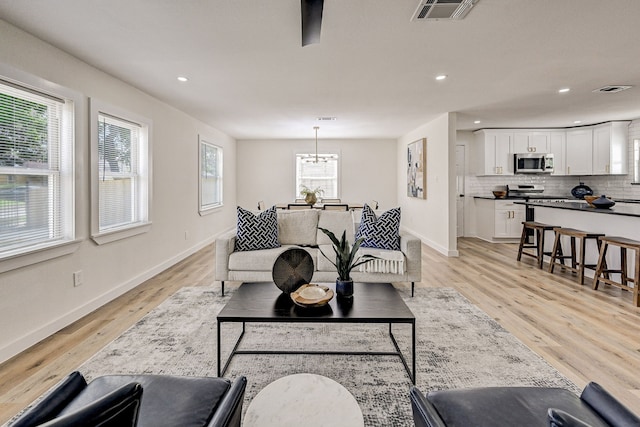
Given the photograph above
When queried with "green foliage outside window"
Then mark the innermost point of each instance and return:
(23, 132)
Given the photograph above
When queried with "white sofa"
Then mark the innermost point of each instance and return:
(300, 228)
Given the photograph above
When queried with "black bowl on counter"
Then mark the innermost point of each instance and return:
(602, 202)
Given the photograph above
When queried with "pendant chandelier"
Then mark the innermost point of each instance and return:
(318, 158)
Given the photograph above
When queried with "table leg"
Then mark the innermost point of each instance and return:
(221, 371)
(410, 371)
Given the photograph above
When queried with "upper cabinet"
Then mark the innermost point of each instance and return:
(531, 142)
(494, 156)
(587, 150)
(610, 151)
(579, 151)
(558, 147)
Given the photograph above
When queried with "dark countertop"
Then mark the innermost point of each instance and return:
(527, 197)
(626, 210)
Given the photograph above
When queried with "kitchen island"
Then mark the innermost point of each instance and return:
(622, 220)
(621, 208)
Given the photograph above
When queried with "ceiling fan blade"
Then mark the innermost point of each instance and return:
(311, 20)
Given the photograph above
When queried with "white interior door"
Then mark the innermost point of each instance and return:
(460, 173)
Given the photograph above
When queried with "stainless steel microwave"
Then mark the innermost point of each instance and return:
(533, 163)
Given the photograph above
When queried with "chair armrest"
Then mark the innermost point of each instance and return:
(54, 401)
(411, 246)
(608, 407)
(225, 245)
(229, 411)
(424, 414)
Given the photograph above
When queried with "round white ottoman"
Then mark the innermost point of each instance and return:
(307, 400)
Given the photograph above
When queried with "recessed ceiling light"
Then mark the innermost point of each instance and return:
(182, 79)
(476, 122)
(577, 121)
(564, 90)
(441, 77)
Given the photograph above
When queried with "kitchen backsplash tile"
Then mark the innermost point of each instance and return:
(616, 186)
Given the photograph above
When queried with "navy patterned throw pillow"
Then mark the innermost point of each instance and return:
(256, 232)
(382, 232)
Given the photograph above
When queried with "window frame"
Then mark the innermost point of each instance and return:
(143, 185)
(69, 243)
(338, 178)
(204, 209)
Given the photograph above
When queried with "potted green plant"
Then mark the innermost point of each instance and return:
(345, 261)
(310, 196)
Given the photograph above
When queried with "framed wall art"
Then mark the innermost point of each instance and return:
(417, 169)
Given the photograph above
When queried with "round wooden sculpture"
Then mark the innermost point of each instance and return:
(292, 269)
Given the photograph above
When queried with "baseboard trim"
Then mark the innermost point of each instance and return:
(17, 346)
(444, 251)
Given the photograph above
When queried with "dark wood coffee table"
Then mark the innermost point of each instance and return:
(265, 303)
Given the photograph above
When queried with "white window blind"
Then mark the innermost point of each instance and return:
(322, 173)
(36, 170)
(210, 176)
(122, 196)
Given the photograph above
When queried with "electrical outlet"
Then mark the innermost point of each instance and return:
(186, 235)
(77, 278)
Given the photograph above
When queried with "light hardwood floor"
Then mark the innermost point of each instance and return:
(587, 335)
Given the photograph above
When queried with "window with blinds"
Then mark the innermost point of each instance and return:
(318, 171)
(36, 170)
(121, 165)
(210, 176)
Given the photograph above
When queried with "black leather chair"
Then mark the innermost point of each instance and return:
(520, 406)
(138, 400)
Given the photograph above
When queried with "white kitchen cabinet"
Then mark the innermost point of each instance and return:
(558, 147)
(610, 149)
(499, 220)
(531, 142)
(508, 219)
(494, 150)
(579, 151)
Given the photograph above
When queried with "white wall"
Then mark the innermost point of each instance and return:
(433, 219)
(36, 301)
(466, 139)
(266, 170)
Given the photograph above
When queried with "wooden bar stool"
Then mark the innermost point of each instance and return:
(539, 231)
(578, 263)
(602, 270)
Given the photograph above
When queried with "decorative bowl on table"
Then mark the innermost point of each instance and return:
(499, 194)
(590, 199)
(602, 202)
(310, 295)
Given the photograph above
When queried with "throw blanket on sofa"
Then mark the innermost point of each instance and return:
(387, 262)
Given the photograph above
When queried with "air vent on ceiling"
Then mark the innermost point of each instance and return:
(327, 119)
(434, 10)
(612, 89)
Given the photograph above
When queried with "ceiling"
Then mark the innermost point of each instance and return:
(374, 69)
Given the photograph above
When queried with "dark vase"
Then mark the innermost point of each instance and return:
(602, 202)
(344, 288)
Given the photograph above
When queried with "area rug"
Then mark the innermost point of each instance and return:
(458, 345)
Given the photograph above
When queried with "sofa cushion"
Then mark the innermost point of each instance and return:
(297, 227)
(381, 232)
(261, 260)
(324, 264)
(256, 232)
(337, 223)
